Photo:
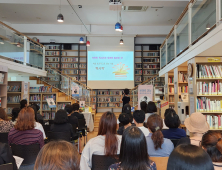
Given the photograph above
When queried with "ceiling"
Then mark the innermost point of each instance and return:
(95, 12)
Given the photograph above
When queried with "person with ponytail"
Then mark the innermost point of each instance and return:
(212, 144)
(106, 143)
(157, 145)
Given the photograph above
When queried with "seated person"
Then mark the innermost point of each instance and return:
(127, 110)
(138, 118)
(76, 113)
(150, 109)
(172, 121)
(125, 121)
(5, 124)
(15, 112)
(71, 118)
(156, 144)
(39, 117)
(23, 103)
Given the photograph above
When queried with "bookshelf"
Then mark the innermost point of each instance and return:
(169, 89)
(3, 86)
(158, 92)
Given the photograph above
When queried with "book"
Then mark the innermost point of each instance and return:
(208, 71)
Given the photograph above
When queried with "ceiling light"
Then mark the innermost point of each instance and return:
(121, 42)
(60, 18)
(118, 26)
(208, 26)
(81, 40)
(88, 43)
(121, 28)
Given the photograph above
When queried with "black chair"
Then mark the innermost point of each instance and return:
(175, 141)
(83, 128)
(46, 129)
(76, 136)
(27, 152)
(4, 138)
(6, 166)
(102, 162)
(59, 136)
(51, 121)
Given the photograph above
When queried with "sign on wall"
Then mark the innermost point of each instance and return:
(145, 93)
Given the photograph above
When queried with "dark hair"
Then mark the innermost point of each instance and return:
(126, 91)
(23, 103)
(133, 151)
(75, 106)
(127, 109)
(168, 111)
(212, 143)
(124, 119)
(139, 116)
(155, 124)
(151, 107)
(35, 111)
(107, 127)
(58, 155)
(189, 157)
(61, 117)
(36, 106)
(3, 114)
(171, 119)
(143, 106)
(69, 108)
(15, 112)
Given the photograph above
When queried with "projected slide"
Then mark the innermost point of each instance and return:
(110, 66)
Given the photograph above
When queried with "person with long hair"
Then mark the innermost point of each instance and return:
(15, 112)
(189, 157)
(157, 145)
(58, 155)
(106, 143)
(212, 144)
(5, 124)
(150, 110)
(24, 132)
(133, 152)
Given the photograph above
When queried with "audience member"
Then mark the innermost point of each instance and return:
(39, 117)
(23, 103)
(157, 145)
(172, 121)
(189, 157)
(5, 124)
(71, 118)
(150, 110)
(126, 122)
(143, 106)
(138, 118)
(76, 113)
(133, 152)
(24, 133)
(125, 98)
(61, 123)
(15, 112)
(106, 143)
(212, 144)
(197, 126)
(6, 155)
(57, 155)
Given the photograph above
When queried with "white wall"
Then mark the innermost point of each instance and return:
(59, 39)
(149, 40)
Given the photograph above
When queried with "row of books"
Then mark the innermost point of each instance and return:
(138, 65)
(55, 65)
(82, 65)
(69, 65)
(41, 89)
(211, 88)
(13, 88)
(170, 80)
(82, 78)
(109, 104)
(152, 54)
(209, 71)
(138, 79)
(159, 90)
(138, 71)
(183, 89)
(109, 99)
(208, 105)
(9, 110)
(93, 99)
(52, 59)
(48, 115)
(183, 77)
(45, 107)
(109, 92)
(171, 89)
(52, 53)
(151, 60)
(150, 72)
(70, 71)
(51, 72)
(151, 66)
(49, 47)
(14, 99)
(171, 98)
(2, 77)
(82, 72)
(44, 97)
(69, 59)
(214, 121)
(35, 98)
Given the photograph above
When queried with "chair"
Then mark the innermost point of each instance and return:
(76, 136)
(59, 136)
(4, 137)
(27, 152)
(6, 166)
(46, 129)
(175, 141)
(161, 162)
(51, 121)
(83, 128)
(102, 162)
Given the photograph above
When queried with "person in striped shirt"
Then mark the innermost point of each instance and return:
(23, 132)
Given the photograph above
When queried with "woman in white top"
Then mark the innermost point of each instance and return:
(106, 143)
(150, 110)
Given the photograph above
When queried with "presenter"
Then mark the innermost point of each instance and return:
(125, 98)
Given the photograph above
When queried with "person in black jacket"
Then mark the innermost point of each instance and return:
(76, 113)
(71, 118)
(6, 155)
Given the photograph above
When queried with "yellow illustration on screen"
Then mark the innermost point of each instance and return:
(121, 69)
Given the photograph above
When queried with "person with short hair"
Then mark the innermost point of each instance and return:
(5, 124)
(125, 119)
(172, 121)
(15, 112)
(23, 103)
(71, 118)
(133, 152)
(189, 157)
(58, 155)
(212, 144)
(39, 117)
(157, 145)
(138, 118)
(76, 113)
(150, 110)
(143, 106)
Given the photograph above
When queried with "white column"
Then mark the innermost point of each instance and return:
(189, 24)
(43, 57)
(218, 12)
(160, 58)
(166, 51)
(175, 41)
(25, 50)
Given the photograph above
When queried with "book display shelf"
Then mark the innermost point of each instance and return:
(169, 89)
(3, 86)
(158, 93)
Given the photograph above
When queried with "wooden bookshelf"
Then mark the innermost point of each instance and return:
(158, 92)
(169, 94)
(3, 86)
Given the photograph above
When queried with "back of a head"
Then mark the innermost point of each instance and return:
(189, 157)
(155, 124)
(172, 120)
(60, 117)
(143, 106)
(68, 108)
(107, 127)
(75, 107)
(151, 107)
(23, 103)
(3, 114)
(15, 112)
(139, 116)
(58, 155)
(212, 143)
(124, 119)
(126, 91)
(133, 151)
(127, 109)
(35, 111)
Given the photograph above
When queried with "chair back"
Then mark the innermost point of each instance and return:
(4, 138)
(59, 136)
(74, 128)
(6, 166)
(46, 129)
(175, 141)
(102, 162)
(161, 162)
(51, 121)
(27, 152)
(82, 124)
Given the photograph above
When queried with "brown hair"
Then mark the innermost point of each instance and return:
(26, 119)
(212, 143)
(58, 155)
(107, 127)
(3, 114)
(155, 124)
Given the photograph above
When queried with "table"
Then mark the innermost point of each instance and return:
(89, 120)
